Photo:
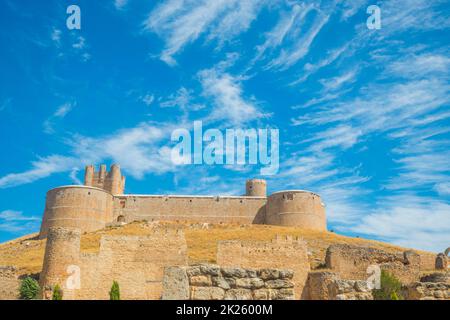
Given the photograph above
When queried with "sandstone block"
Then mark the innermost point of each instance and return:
(220, 282)
(207, 293)
(193, 271)
(210, 270)
(234, 272)
(201, 281)
(175, 284)
(279, 284)
(269, 274)
(286, 294)
(249, 283)
(239, 294)
(286, 274)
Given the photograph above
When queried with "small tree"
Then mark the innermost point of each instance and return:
(114, 294)
(29, 289)
(390, 288)
(57, 293)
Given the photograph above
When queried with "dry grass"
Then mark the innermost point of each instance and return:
(27, 252)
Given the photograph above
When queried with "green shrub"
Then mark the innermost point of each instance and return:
(29, 289)
(57, 293)
(390, 289)
(114, 294)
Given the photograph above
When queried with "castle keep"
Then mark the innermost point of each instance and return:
(102, 201)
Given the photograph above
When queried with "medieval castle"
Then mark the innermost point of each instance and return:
(156, 262)
(102, 201)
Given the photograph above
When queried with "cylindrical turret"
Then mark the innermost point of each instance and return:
(62, 254)
(81, 207)
(113, 182)
(89, 176)
(296, 208)
(256, 188)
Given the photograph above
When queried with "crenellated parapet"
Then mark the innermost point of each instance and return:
(111, 181)
(101, 202)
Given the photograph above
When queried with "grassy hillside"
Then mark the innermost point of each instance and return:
(27, 253)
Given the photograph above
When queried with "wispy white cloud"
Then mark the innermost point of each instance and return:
(120, 4)
(15, 222)
(226, 91)
(180, 22)
(41, 168)
(60, 113)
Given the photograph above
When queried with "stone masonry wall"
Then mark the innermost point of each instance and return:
(282, 252)
(9, 283)
(435, 286)
(208, 209)
(428, 291)
(325, 285)
(211, 282)
(135, 262)
(351, 262)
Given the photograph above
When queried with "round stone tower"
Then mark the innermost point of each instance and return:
(256, 188)
(81, 207)
(296, 208)
(62, 252)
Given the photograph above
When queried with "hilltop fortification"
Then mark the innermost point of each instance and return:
(102, 201)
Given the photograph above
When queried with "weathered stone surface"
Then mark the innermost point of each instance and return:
(278, 284)
(207, 293)
(427, 291)
(281, 253)
(175, 284)
(200, 284)
(436, 277)
(239, 294)
(351, 262)
(269, 274)
(317, 285)
(249, 283)
(286, 274)
(441, 262)
(339, 289)
(193, 271)
(212, 270)
(286, 294)
(234, 272)
(220, 282)
(201, 281)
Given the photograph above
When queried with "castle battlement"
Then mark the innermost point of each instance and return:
(102, 201)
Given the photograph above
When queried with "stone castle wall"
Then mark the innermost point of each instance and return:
(351, 262)
(82, 207)
(101, 201)
(211, 282)
(9, 283)
(207, 209)
(136, 263)
(296, 208)
(283, 253)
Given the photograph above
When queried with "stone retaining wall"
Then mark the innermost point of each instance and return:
(211, 282)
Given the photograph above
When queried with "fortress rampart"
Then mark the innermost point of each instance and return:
(102, 201)
(136, 262)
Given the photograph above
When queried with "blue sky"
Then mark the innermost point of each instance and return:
(363, 114)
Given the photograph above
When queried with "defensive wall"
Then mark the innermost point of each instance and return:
(211, 282)
(101, 200)
(137, 263)
(351, 262)
(281, 252)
